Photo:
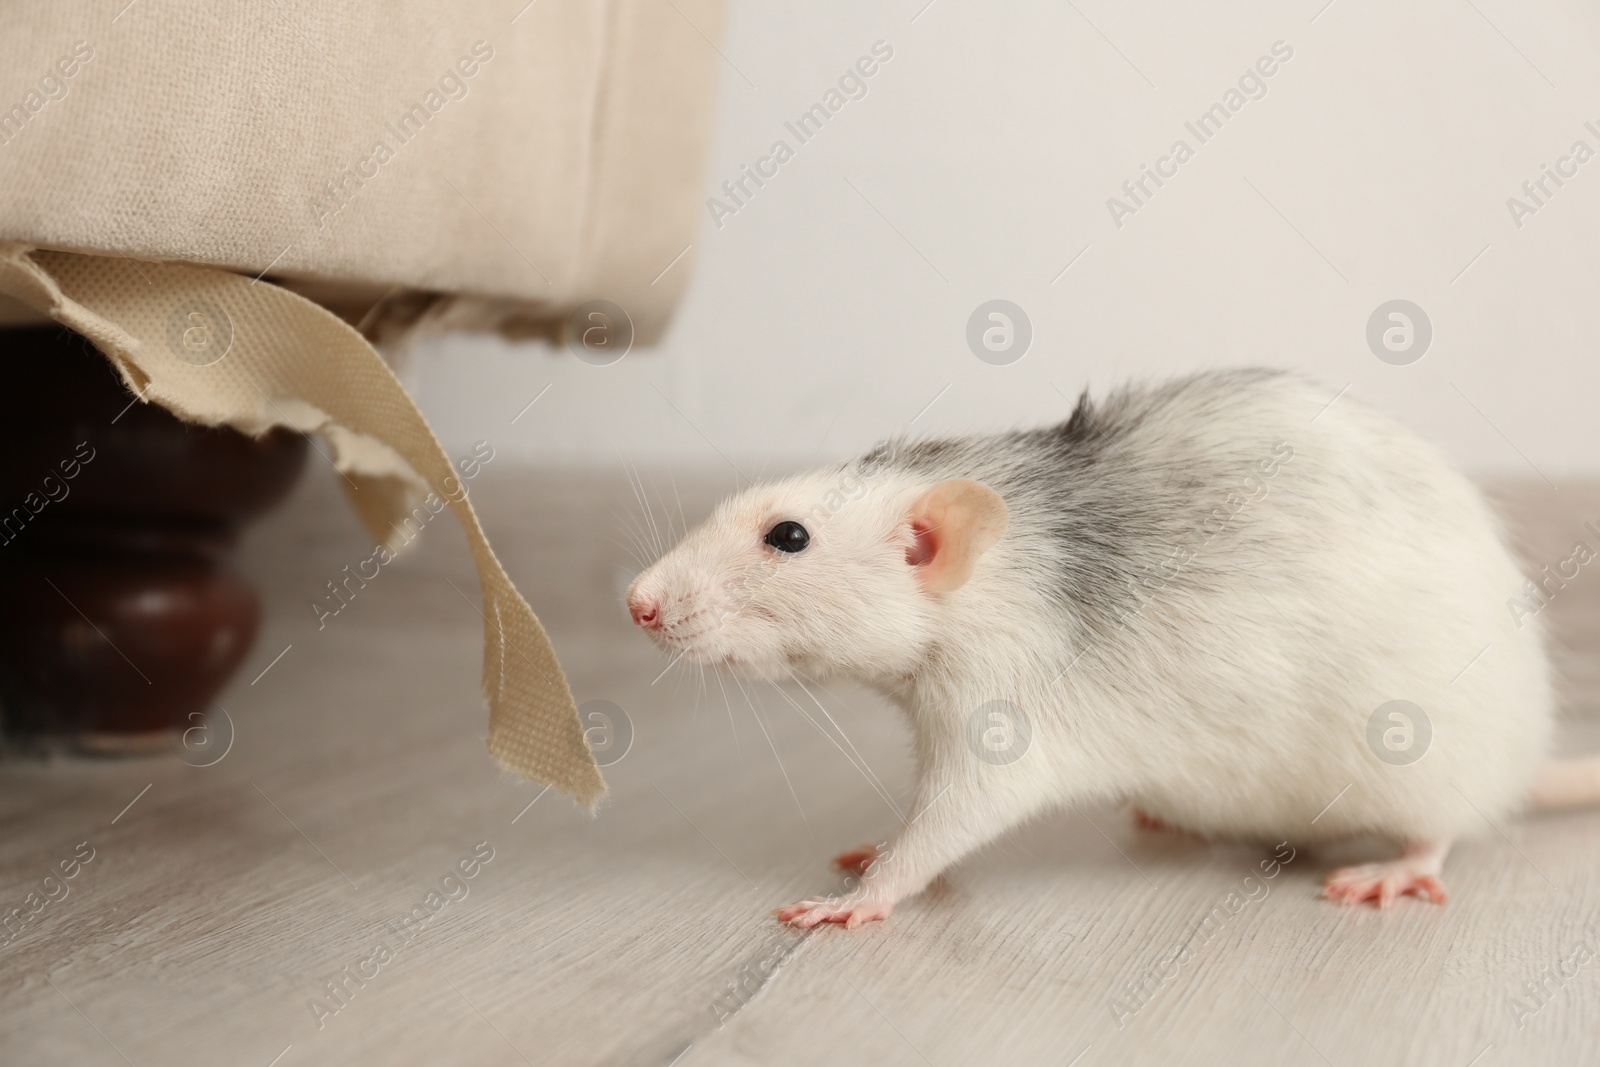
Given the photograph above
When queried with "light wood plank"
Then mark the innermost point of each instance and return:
(218, 905)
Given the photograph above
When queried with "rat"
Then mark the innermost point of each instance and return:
(1256, 609)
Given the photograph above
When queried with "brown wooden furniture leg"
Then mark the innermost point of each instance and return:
(120, 617)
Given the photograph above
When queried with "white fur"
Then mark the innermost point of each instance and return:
(1234, 703)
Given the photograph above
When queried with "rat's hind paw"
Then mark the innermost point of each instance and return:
(1415, 873)
(809, 913)
(1382, 885)
(857, 860)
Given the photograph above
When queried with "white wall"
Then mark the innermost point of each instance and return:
(991, 142)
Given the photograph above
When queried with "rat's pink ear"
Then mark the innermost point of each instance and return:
(954, 523)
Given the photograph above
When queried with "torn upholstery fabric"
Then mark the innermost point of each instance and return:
(217, 348)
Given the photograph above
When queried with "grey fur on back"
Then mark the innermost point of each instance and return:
(1108, 494)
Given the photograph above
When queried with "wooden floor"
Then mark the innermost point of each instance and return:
(221, 901)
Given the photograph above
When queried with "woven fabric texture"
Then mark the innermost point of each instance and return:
(514, 159)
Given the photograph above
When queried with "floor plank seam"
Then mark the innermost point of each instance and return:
(741, 993)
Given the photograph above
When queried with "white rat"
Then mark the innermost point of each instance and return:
(1201, 596)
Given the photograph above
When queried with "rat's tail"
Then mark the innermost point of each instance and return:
(1567, 783)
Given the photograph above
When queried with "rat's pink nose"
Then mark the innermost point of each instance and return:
(646, 611)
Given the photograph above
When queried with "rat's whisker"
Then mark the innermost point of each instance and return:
(772, 745)
(729, 706)
(669, 666)
(636, 483)
(865, 773)
(639, 529)
(671, 534)
(662, 535)
(705, 690)
(679, 498)
(633, 554)
(633, 526)
(795, 678)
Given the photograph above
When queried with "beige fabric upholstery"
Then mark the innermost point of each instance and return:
(483, 163)
(519, 159)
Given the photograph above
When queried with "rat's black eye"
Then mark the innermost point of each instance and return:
(788, 536)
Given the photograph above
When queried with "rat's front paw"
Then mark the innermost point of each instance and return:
(809, 913)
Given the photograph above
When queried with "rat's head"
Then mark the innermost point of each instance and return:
(832, 573)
